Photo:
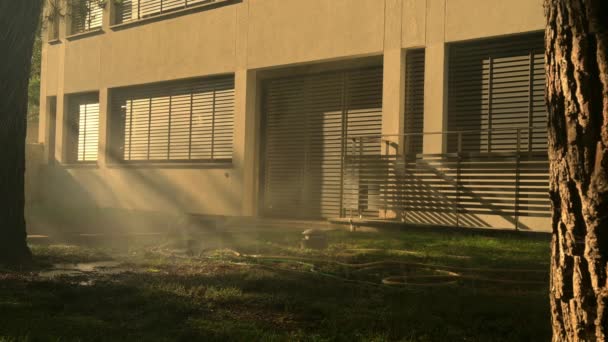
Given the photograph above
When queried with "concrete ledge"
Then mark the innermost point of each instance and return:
(84, 165)
(84, 34)
(382, 224)
(172, 165)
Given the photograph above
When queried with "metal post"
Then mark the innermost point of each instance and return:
(149, 125)
(360, 167)
(405, 180)
(169, 130)
(353, 175)
(89, 15)
(529, 139)
(459, 142)
(458, 156)
(386, 183)
(530, 100)
(213, 124)
(84, 138)
(190, 126)
(138, 9)
(490, 94)
(161, 6)
(343, 145)
(517, 165)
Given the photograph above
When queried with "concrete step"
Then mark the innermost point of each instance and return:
(231, 223)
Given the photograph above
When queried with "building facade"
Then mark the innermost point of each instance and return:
(423, 111)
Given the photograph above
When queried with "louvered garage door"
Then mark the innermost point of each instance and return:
(307, 119)
(495, 86)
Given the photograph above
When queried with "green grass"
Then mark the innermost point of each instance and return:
(162, 294)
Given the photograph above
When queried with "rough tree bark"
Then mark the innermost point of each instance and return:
(18, 25)
(577, 100)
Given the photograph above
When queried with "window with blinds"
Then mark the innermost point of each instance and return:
(496, 88)
(414, 100)
(307, 123)
(85, 15)
(130, 10)
(175, 121)
(83, 121)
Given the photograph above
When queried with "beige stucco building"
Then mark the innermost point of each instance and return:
(259, 108)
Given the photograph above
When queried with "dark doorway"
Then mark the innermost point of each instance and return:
(306, 122)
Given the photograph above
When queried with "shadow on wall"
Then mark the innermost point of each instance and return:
(420, 195)
(139, 200)
(427, 191)
(441, 199)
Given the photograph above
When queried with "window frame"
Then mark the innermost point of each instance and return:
(118, 120)
(71, 136)
(489, 85)
(94, 8)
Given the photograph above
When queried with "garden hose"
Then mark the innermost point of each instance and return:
(444, 275)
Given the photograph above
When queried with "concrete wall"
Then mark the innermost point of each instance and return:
(283, 32)
(248, 38)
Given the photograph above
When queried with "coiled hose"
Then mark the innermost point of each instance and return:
(443, 275)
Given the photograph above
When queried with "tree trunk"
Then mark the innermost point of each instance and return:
(18, 23)
(577, 100)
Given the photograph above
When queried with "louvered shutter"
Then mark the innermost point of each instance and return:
(83, 116)
(177, 121)
(496, 86)
(414, 99)
(86, 15)
(137, 9)
(307, 119)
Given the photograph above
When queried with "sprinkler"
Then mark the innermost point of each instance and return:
(314, 239)
(353, 227)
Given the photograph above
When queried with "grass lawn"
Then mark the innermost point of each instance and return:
(460, 287)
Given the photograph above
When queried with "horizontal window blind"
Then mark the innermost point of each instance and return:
(83, 117)
(307, 122)
(414, 99)
(496, 86)
(177, 121)
(86, 15)
(130, 10)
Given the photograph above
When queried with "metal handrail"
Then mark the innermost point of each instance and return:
(444, 132)
(387, 183)
(386, 138)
